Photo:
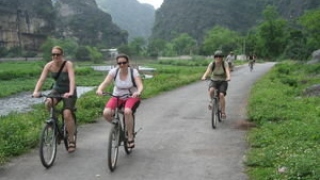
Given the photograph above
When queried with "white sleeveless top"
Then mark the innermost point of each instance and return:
(122, 87)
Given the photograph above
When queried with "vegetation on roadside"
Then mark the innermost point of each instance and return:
(285, 145)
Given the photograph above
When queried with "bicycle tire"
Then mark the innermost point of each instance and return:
(48, 144)
(113, 147)
(125, 141)
(214, 112)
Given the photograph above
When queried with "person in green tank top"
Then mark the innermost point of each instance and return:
(64, 85)
(219, 73)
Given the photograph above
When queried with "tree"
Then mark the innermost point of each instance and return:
(272, 34)
(183, 44)
(220, 38)
(311, 28)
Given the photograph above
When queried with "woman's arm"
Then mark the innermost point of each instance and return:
(104, 84)
(208, 72)
(72, 82)
(41, 80)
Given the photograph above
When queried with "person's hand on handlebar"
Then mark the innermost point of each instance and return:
(99, 92)
(36, 95)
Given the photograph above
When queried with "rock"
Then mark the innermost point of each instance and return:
(315, 57)
(312, 90)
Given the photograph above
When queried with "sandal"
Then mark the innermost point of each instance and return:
(131, 144)
(223, 115)
(71, 147)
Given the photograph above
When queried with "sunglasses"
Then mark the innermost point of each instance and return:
(218, 56)
(119, 63)
(55, 54)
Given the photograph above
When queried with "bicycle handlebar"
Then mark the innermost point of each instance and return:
(50, 96)
(110, 94)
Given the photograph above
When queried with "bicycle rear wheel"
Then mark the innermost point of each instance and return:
(125, 141)
(214, 114)
(48, 145)
(113, 146)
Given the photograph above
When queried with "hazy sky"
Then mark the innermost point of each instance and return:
(155, 3)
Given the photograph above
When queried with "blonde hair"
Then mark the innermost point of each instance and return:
(58, 47)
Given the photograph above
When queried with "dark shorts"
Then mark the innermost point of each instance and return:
(68, 103)
(221, 86)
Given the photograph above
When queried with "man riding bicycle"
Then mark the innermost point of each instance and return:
(219, 73)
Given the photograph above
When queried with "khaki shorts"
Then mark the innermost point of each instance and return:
(221, 86)
(68, 103)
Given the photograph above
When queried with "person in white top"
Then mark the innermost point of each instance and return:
(123, 84)
(230, 58)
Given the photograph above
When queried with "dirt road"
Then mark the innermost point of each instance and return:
(176, 141)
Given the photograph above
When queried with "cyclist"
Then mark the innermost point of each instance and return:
(252, 61)
(230, 58)
(123, 84)
(219, 73)
(64, 85)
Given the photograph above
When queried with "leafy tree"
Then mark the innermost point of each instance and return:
(137, 46)
(220, 38)
(272, 34)
(183, 44)
(311, 25)
(156, 47)
(95, 55)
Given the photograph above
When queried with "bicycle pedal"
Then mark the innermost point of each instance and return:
(140, 129)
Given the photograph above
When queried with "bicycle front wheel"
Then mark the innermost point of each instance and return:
(113, 147)
(214, 113)
(48, 145)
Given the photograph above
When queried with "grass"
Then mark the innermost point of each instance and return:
(286, 143)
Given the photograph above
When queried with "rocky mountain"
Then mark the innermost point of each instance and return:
(195, 17)
(130, 15)
(27, 23)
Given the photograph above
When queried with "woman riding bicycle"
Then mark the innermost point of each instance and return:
(123, 84)
(64, 85)
(219, 73)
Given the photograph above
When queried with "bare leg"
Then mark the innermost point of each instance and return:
(129, 123)
(222, 105)
(70, 125)
(108, 114)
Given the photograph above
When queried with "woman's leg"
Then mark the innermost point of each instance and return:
(130, 106)
(108, 111)
(222, 105)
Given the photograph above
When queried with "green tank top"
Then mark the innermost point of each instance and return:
(62, 83)
(218, 74)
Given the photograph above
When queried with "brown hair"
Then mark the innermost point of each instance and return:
(122, 56)
(58, 47)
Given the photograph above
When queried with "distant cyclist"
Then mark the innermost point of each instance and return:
(219, 73)
(230, 59)
(252, 61)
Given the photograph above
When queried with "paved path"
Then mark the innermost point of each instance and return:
(177, 141)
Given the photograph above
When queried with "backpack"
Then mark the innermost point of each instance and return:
(214, 64)
(132, 79)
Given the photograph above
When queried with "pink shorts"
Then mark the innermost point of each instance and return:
(131, 103)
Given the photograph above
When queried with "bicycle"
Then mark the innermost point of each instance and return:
(216, 114)
(53, 132)
(251, 66)
(118, 135)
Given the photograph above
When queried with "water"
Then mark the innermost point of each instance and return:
(22, 102)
